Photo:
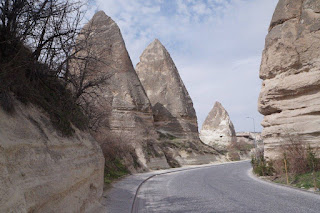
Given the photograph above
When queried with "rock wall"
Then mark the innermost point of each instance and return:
(218, 129)
(41, 171)
(290, 70)
(174, 115)
(119, 106)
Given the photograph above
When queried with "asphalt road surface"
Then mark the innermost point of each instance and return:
(220, 188)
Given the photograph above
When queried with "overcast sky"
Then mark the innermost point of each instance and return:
(215, 44)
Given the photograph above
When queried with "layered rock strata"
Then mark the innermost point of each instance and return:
(174, 115)
(119, 107)
(41, 171)
(218, 129)
(290, 70)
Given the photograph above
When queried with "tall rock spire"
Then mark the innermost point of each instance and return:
(119, 106)
(290, 70)
(172, 106)
(217, 129)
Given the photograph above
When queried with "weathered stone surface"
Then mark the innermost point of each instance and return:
(174, 115)
(119, 104)
(217, 129)
(41, 171)
(172, 106)
(290, 70)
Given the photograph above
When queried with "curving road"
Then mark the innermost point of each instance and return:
(220, 188)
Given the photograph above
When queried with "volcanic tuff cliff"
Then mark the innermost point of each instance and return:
(121, 109)
(41, 171)
(218, 129)
(290, 70)
(174, 115)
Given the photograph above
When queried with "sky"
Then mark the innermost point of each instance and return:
(215, 44)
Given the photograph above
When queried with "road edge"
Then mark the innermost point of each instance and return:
(257, 178)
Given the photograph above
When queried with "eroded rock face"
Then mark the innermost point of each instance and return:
(120, 107)
(217, 129)
(41, 171)
(290, 70)
(174, 115)
(171, 104)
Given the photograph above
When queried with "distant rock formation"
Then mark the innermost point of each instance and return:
(290, 70)
(119, 105)
(249, 137)
(41, 171)
(174, 115)
(217, 129)
(171, 104)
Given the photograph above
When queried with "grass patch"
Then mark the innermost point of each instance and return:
(307, 180)
(304, 181)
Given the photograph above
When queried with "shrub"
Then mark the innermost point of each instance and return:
(262, 167)
(300, 157)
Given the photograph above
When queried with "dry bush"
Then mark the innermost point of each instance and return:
(234, 156)
(299, 156)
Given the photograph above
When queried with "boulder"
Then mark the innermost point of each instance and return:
(290, 70)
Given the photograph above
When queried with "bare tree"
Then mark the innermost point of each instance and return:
(47, 27)
(44, 38)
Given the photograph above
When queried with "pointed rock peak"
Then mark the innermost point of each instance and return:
(100, 18)
(100, 15)
(217, 114)
(218, 104)
(156, 43)
(218, 109)
(155, 51)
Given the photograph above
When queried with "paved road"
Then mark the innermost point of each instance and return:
(220, 188)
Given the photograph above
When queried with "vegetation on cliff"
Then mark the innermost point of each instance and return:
(297, 166)
(36, 38)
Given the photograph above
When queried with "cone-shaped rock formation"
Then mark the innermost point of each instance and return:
(217, 129)
(174, 115)
(119, 107)
(290, 70)
(172, 106)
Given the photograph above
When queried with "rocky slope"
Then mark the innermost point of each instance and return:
(41, 171)
(119, 107)
(174, 115)
(218, 129)
(290, 70)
